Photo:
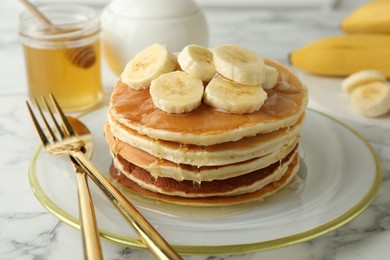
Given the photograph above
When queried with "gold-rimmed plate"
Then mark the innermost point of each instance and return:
(339, 177)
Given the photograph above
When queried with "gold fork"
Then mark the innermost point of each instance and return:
(88, 226)
(72, 145)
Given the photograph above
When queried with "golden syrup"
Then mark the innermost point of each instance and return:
(153, 178)
(196, 184)
(51, 71)
(276, 105)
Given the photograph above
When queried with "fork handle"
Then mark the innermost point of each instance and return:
(152, 239)
(88, 226)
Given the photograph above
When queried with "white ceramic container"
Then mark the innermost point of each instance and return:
(129, 26)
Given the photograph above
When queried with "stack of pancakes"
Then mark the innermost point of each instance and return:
(206, 157)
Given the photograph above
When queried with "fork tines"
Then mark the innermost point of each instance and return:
(63, 128)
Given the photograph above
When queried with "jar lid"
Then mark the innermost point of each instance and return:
(77, 25)
(147, 9)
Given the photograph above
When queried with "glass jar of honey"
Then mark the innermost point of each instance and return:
(63, 59)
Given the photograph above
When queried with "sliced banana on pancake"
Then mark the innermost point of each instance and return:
(360, 78)
(197, 61)
(371, 99)
(271, 77)
(176, 92)
(147, 65)
(233, 97)
(239, 64)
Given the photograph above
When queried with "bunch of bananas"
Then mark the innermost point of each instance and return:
(365, 45)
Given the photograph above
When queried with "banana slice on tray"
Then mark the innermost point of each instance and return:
(197, 61)
(360, 78)
(147, 65)
(372, 99)
(235, 98)
(176, 92)
(239, 64)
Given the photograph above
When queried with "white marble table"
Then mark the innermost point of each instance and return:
(28, 231)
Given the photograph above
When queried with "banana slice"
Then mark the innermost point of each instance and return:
(239, 64)
(232, 97)
(197, 61)
(372, 99)
(148, 65)
(360, 78)
(176, 92)
(271, 77)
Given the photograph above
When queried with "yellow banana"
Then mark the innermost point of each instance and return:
(344, 54)
(372, 17)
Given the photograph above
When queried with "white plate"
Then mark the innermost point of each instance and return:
(343, 176)
(325, 94)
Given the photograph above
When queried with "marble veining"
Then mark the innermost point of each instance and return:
(28, 231)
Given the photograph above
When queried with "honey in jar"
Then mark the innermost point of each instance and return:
(66, 61)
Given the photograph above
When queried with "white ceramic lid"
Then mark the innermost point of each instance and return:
(147, 9)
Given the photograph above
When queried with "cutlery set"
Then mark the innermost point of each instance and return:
(68, 136)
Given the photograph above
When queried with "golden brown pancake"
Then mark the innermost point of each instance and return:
(206, 157)
(257, 195)
(284, 106)
(219, 154)
(160, 167)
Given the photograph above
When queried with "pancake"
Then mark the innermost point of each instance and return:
(210, 201)
(284, 106)
(207, 156)
(159, 167)
(219, 154)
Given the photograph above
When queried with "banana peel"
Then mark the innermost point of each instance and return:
(343, 55)
(372, 17)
